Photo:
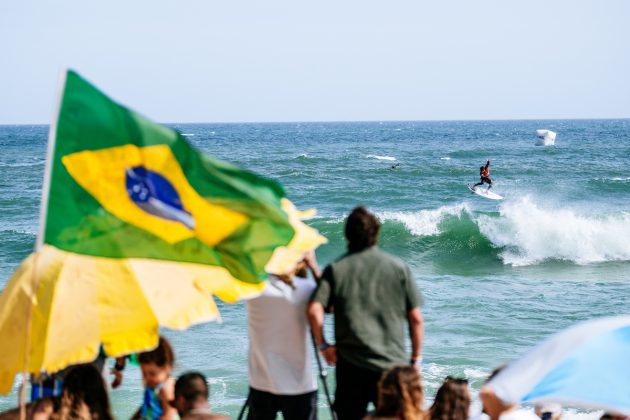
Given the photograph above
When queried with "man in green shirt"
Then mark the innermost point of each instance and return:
(373, 298)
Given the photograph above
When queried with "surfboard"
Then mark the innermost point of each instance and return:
(485, 193)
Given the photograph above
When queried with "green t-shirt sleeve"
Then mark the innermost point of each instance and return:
(413, 298)
(323, 292)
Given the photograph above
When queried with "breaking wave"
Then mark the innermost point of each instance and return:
(529, 234)
(521, 233)
(425, 222)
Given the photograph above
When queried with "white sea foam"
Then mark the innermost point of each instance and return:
(23, 164)
(445, 158)
(377, 157)
(424, 222)
(528, 233)
(218, 386)
(22, 228)
(615, 179)
(188, 135)
(336, 220)
(531, 234)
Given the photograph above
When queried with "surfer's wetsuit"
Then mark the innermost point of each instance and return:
(484, 173)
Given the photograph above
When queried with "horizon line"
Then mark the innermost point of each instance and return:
(360, 121)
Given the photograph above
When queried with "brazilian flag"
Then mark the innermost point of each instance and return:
(124, 187)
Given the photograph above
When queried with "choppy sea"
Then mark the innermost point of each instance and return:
(497, 277)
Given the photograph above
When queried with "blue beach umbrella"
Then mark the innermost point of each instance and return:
(584, 366)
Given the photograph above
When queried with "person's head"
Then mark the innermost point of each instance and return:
(400, 393)
(452, 400)
(548, 411)
(361, 229)
(191, 390)
(481, 168)
(157, 364)
(84, 394)
(299, 270)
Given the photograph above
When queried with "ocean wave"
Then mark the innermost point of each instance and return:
(530, 234)
(424, 222)
(290, 173)
(521, 233)
(435, 373)
(218, 386)
(310, 158)
(614, 179)
(377, 157)
(335, 220)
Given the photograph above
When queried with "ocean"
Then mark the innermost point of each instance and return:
(496, 277)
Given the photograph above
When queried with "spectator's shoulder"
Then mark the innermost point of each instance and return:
(392, 259)
(340, 261)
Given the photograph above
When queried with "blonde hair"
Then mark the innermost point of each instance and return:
(400, 393)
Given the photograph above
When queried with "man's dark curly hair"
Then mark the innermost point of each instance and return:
(362, 229)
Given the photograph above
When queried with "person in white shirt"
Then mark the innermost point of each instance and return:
(281, 375)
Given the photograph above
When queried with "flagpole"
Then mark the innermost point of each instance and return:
(52, 135)
(52, 139)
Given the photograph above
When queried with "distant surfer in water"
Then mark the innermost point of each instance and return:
(484, 173)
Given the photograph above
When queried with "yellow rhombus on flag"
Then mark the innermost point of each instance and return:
(138, 231)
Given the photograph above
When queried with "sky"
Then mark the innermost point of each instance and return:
(348, 60)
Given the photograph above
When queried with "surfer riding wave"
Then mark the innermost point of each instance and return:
(484, 173)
